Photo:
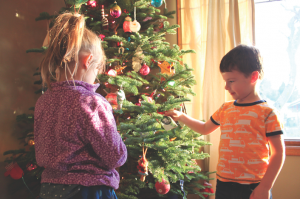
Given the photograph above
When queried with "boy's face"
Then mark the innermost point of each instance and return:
(239, 86)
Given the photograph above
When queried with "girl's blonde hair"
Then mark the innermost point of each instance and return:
(68, 38)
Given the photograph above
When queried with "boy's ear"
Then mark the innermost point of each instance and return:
(254, 76)
(87, 60)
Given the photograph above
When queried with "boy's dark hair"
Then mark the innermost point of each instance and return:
(243, 58)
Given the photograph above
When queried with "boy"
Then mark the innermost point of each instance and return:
(251, 149)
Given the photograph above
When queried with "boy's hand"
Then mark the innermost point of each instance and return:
(260, 193)
(174, 114)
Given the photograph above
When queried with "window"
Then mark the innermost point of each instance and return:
(277, 32)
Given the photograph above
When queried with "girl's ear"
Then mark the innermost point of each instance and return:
(87, 60)
(254, 76)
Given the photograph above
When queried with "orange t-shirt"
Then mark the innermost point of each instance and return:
(244, 148)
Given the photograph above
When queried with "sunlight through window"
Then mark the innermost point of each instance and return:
(277, 26)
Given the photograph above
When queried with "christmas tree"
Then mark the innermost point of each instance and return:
(144, 77)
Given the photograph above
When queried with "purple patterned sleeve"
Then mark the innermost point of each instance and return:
(101, 132)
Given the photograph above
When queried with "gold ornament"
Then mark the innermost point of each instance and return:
(31, 142)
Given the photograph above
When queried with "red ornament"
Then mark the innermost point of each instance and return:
(126, 24)
(31, 167)
(14, 171)
(145, 70)
(139, 103)
(162, 187)
(207, 189)
(112, 99)
(161, 25)
(115, 11)
(112, 72)
(101, 36)
(92, 4)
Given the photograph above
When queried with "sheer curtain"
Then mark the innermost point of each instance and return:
(212, 28)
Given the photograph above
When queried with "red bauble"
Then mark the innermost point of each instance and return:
(115, 11)
(207, 189)
(101, 36)
(145, 70)
(31, 167)
(126, 24)
(92, 4)
(163, 187)
(112, 99)
(14, 171)
(112, 72)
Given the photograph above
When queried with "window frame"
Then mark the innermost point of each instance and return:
(292, 146)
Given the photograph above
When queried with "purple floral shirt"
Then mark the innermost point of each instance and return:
(76, 137)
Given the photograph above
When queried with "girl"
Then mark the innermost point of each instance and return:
(76, 138)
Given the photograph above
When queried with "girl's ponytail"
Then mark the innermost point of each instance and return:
(66, 38)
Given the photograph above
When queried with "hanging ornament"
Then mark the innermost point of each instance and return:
(150, 98)
(166, 67)
(145, 70)
(112, 99)
(29, 136)
(104, 20)
(120, 98)
(115, 11)
(126, 24)
(135, 26)
(31, 167)
(156, 3)
(143, 166)
(14, 171)
(31, 142)
(161, 25)
(119, 69)
(168, 123)
(171, 83)
(92, 4)
(162, 187)
(207, 189)
(137, 59)
(112, 73)
(121, 50)
(139, 103)
(101, 36)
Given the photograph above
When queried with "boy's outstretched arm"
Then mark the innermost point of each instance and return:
(203, 128)
(277, 157)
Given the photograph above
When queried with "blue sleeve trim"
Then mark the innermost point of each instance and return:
(274, 133)
(216, 123)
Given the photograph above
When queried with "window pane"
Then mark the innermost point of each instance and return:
(278, 38)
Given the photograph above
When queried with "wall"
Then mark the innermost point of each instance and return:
(287, 184)
(17, 34)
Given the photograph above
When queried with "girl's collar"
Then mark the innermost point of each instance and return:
(90, 87)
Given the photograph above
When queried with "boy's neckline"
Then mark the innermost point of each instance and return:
(249, 104)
